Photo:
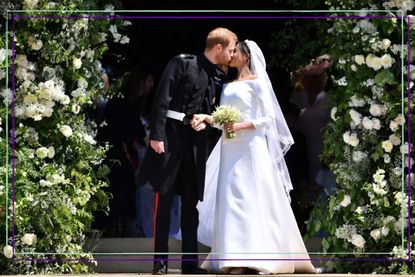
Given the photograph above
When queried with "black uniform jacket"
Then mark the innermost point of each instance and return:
(189, 84)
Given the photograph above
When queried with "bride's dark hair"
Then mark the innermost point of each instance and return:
(244, 48)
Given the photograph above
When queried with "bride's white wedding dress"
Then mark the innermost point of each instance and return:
(246, 217)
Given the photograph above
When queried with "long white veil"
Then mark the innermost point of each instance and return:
(279, 141)
(278, 134)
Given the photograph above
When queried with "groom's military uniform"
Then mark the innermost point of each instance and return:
(189, 85)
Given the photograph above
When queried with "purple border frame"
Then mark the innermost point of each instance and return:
(84, 260)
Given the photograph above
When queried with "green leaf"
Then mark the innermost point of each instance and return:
(384, 77)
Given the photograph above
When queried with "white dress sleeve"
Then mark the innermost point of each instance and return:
(263, 101)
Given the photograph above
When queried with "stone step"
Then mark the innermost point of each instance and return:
(135, 255)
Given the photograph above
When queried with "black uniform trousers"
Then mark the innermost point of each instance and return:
(185, 185)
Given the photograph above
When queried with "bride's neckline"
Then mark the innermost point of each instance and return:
(251, 78)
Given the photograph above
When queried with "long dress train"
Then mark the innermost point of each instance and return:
(246, 217)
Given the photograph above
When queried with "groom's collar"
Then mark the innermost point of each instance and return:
(211, 67)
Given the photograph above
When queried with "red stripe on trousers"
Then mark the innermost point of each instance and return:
(156, 204)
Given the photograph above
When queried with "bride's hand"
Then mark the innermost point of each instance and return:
(237, 126)
(198, 119)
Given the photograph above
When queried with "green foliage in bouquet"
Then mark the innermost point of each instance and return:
(226, 114)
(59, 178)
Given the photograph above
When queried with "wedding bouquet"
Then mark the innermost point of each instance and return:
(226, 114)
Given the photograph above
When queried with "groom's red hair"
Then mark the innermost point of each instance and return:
(221, 36)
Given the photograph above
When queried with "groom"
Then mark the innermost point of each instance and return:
(176, 162)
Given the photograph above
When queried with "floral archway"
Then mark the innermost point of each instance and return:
(367, 143)
(53, 159)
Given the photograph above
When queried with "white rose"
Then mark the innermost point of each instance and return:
(125, 40)
(51, 152)
(378, 189)
(90, 139)
(51, 5)
(65, 100)
(411, 162)
(387, 146)
(376, 234)
(56, 178)
(399, 225)
(376, 63)
(397, 171)
(356, 102)
(76, 108)
(358, 241)
(405, 148)
(29, 239)
(361, 210)
(386, 43)
(376, 124)
(356, 117)
(30, 3)
(376, 109)
(342, 81)
(346, 137)
(386, 158)
(29, 99)
(393, 126)
(353, 67)
(8, 251)
(113, 29)
(66, 130)
(384, 230)
(354, 141)
(369, 59)
(2, 55)
(102, 37)
(359, 59)
(346, 201)
(333, 113)
(379, 175)
(37, 45)
(76, 93)
(399, 119)
(386, 61)
(42, 152)
(82, 83)
(405, 5)
(48, 112)
(396, 140)
(21, 60)
(77, 63)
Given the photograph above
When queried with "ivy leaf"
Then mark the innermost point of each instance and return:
(375, 156)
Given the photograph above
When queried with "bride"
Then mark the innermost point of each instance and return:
(246, 217)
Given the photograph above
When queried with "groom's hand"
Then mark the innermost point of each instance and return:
(157, 146)
(197, 120)
(200, 127)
